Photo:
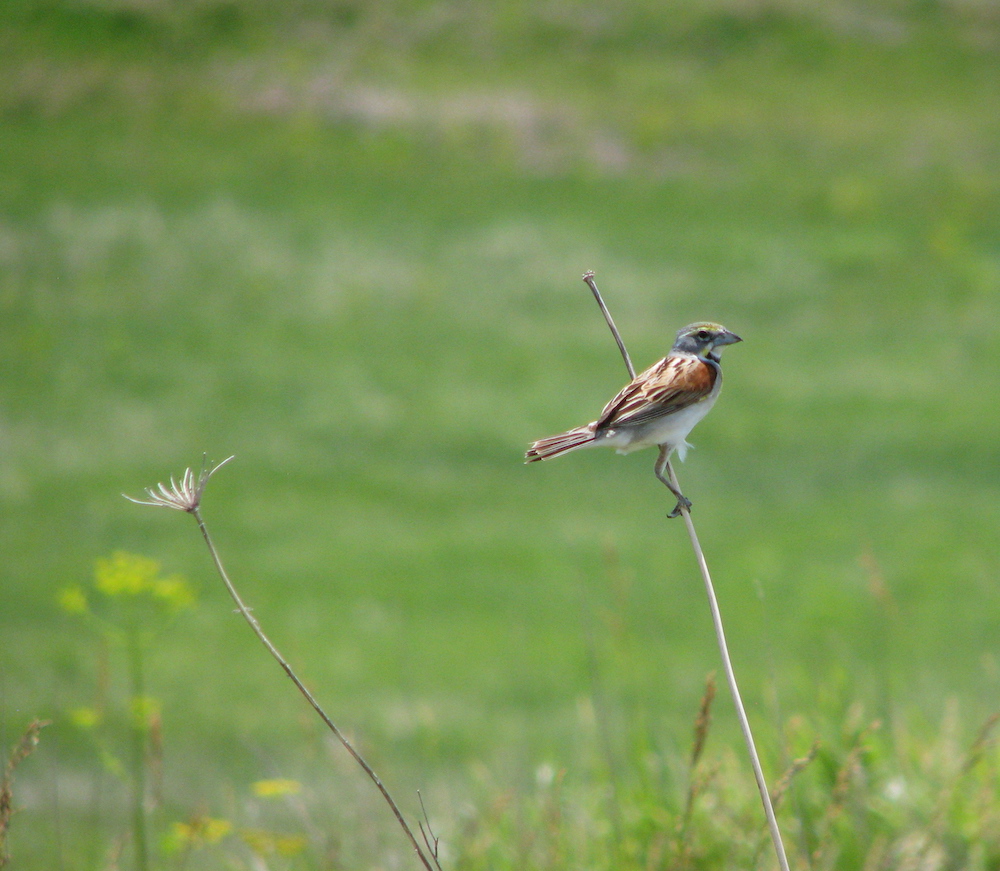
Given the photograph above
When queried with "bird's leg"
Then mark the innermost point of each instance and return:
(662, 462)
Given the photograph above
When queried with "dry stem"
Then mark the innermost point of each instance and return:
(186, 496)
(20, 751)
(713, 603)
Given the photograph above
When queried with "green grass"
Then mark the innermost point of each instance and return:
(343, 241)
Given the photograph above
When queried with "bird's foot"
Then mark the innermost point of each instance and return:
(683, 503)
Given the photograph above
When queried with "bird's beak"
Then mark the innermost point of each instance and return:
(727, 338)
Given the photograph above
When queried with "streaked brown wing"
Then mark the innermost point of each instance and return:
(665, 387)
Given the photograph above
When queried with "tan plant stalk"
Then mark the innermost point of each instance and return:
(720, 635)
(186, 496)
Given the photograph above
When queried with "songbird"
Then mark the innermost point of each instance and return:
(658, 407)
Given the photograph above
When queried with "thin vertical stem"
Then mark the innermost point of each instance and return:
(727, 666)
(588, 277)
(137, 727)
(758, 773)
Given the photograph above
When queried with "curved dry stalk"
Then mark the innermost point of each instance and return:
(588, 277)
(19, 752)
(720, 635)
(186, 496)
(727, 667)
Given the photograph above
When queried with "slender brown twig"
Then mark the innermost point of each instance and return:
(186, 496)
(720, 635)
(431, 841)
(588, 277)
(701, 724)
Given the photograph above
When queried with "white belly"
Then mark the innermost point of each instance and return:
(671, 430)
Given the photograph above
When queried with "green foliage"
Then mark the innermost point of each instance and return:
(846, 804)
(342, 240)
(128, 604)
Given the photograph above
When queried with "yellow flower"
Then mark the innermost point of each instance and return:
(199, 832)
(125, 574)
(175, 591)
(276, 787)
(265, 843)
(73, 600)
(137, 579)
(142, 709)
(182, 835)
(216, 830)
(85, 718)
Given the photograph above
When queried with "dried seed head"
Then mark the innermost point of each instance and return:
(181, 496)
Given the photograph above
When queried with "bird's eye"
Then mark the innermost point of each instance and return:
(703, 335)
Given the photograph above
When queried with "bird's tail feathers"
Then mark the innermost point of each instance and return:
(553, 446)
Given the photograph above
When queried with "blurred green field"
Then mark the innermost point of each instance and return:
(343, 241)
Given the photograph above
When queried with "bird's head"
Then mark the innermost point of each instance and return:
(704, 339)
